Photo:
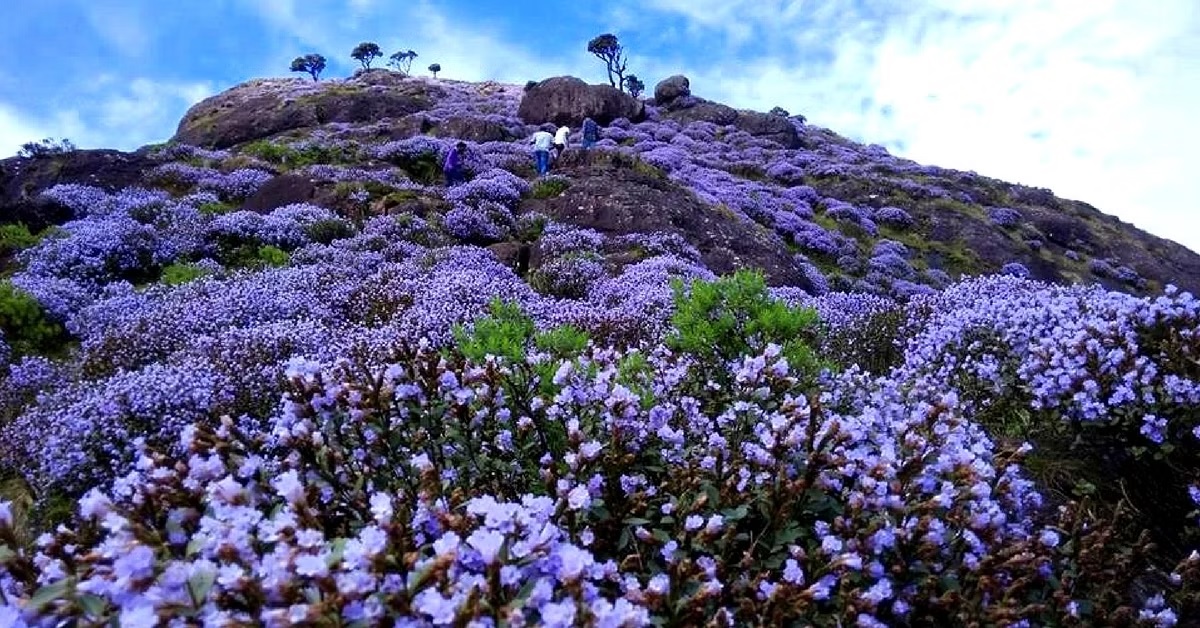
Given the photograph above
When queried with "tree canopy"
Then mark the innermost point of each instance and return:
(608, 49)
(311, 63)
(365, 53)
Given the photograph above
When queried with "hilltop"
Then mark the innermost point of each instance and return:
(748, 189)
(723, 368)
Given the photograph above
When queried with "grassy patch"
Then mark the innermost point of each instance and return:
(549, 187)
(291, 157)
(217, 208)
(180, 273)
(27, 329)
(15, 238)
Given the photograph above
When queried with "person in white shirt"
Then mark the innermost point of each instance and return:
(560, 141)
(541, 151)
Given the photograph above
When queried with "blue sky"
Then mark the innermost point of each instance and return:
(1095, 99)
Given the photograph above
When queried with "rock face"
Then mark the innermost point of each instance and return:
(684, 108)
(566, 100)
(775, 128)
(615, 199)
(282, 190)
(671, 88)
(23, 179)
(261, 108)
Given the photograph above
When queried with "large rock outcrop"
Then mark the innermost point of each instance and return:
(675, 101)
(566, 100)
(262, 108)
(610, 196)
(23, 179)
(671, 88)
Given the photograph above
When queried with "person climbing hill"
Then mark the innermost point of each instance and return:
(591, 133)
(560, 141)
(541, 151)
(453, 166)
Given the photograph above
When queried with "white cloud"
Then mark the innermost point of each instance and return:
(467, 50)
(16, 129)
(119, 25)
(118, 115)
(1093, 100)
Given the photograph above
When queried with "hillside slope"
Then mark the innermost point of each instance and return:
(276, 371)
(805, 205)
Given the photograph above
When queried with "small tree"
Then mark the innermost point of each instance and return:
(634, 86)
(365, 53)
(608, 49)
(779, 111)
(46, 148)
(435, 68)
(402, 60)
(311, 63)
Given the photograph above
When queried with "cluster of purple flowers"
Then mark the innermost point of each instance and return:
(299, 445)
(1004, 216)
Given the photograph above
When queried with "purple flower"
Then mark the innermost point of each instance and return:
(487, 543)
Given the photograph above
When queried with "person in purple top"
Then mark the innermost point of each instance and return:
(453, 167)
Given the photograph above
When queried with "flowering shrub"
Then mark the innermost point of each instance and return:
(568, 276)
(487, 223)
(1016, 269)
(893, 217)
(1004, 216)
(282, 419)
(495, 185)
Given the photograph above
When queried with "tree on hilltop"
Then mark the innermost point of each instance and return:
(311, 63)
(402, 60)
(608, 49)
(633, 85)
(365, 53)
(435, 68)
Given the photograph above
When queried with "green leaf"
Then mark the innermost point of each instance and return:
(49, 593)
(735, 514)
(6, 554)
(200, 584)
(93, 605)
(193, 546)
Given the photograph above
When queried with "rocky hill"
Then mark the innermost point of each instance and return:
(746, 189)
(275, 371)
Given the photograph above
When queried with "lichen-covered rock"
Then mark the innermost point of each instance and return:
(262, 108)
(566, 100)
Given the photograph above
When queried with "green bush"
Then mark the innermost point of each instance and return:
(735, 316)
(425, 169)
(180, 273)
(272, 256)
(252, 255)
(326, 231)
(549, 187)
(292, 157)
(16, 237)
(504, 333)
(27, 330)
(216, 208)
